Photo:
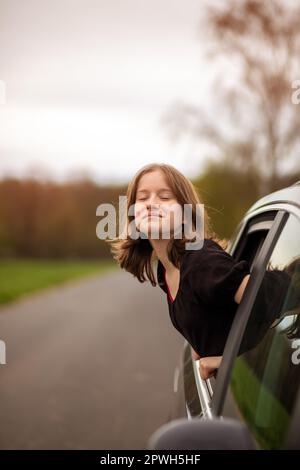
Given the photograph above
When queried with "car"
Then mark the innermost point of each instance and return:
(254, 400)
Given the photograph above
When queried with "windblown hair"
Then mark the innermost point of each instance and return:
(137, 256)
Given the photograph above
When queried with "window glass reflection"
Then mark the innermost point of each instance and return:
(266, 374)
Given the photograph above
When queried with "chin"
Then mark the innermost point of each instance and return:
(155, 228)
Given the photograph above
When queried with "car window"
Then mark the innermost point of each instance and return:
(266, 374)
(253, 237)
(249, 245)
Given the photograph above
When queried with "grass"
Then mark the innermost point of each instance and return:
(22, 277)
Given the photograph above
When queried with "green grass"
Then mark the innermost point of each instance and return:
(21, 277)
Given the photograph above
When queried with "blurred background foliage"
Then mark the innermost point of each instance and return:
(249, 122)
(51, 220)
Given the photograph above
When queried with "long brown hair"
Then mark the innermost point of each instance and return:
(137, 256)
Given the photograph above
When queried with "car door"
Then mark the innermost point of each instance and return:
(259, 379)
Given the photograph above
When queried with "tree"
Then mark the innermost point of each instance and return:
(261, 42)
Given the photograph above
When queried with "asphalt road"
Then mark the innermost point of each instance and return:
(90, 365)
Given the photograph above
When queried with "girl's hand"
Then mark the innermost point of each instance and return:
(208, 366)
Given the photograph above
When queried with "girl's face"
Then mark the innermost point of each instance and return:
(157, 210)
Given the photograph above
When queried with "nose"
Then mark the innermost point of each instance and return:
(152, 202)
(152, 205)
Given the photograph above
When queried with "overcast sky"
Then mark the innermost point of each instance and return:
(88, 80)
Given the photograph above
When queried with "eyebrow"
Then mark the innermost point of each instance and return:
(162, 189)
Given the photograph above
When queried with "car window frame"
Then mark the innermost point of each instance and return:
(291, 439)
(258, 223)
(245, 307)
(259, 220)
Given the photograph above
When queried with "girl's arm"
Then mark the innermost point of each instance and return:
(240, 292)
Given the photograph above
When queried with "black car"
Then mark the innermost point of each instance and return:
(254, 401)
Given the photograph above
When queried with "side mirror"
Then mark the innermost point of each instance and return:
(197, 434)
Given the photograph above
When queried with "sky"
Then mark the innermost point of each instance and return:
(88, 81)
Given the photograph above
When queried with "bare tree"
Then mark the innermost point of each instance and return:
(261, 41)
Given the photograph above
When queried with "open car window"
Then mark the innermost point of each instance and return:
(252, 237)
(247, 248)
(265, 378)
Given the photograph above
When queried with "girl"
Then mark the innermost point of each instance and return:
(203, 286)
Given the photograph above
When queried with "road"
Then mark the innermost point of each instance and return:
(89, 365)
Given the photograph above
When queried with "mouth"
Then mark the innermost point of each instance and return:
(150, 216)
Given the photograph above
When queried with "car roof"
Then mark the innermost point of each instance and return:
(288, 195)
